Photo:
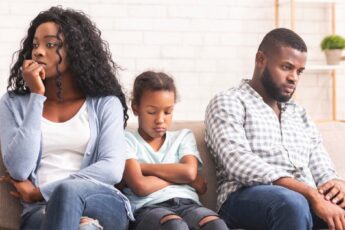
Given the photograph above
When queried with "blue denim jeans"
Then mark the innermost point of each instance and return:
(76, 198)
(269, 207)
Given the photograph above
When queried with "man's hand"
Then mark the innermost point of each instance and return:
(199, 184)
(332, 214)
(334, 191)
(25, 190)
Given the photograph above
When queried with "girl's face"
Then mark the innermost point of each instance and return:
(154, 113)
(45, 46)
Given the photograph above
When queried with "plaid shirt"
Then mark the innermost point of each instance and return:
(250, 146)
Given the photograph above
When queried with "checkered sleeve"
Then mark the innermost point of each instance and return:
(225, 135)
(320, 163)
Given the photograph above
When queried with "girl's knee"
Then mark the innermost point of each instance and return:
(207, 219)
(169, 217)
(173, 222)
(212, 222)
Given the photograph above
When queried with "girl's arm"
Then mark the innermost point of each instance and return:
(199, 184)
(183, 172)
(141, 185)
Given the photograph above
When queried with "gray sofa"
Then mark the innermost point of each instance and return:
(334, 139)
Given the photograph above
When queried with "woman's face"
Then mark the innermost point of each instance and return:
(45, 49)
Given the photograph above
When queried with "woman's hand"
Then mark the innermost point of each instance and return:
(33, 75)
(25, 190)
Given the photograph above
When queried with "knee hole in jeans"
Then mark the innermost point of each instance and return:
(207, 219)
(169, 217)
(84, 220)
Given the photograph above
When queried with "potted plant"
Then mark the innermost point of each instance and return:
(333, 46)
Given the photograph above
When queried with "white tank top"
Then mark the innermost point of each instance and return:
(63, 147)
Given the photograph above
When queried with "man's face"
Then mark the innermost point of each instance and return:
(282, 73)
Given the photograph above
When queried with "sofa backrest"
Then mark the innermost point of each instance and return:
(333, 135)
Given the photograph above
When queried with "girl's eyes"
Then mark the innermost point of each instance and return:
(166, 112)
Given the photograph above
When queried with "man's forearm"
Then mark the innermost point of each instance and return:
(311, 194)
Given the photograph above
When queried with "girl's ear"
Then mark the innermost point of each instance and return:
(135, 109)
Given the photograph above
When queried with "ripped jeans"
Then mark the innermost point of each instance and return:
(74, 199)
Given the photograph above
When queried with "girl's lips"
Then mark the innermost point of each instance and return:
(159, 129)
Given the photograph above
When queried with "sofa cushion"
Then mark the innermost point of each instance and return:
(10, 207)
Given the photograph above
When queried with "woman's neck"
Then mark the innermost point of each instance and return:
(69, 89)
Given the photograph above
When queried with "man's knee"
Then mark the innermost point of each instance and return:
(293, 207)
(293, 202)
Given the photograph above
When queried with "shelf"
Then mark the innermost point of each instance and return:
(325, 67)
(311, 1)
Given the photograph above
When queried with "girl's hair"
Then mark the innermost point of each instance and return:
(152, 81)
(88, 56)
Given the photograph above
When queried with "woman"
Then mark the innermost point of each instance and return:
(62, 125)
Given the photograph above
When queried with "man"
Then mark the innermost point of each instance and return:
(272, 169)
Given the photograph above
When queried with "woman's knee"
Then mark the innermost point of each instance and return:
(67, 189)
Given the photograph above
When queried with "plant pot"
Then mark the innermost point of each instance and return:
(333, 57)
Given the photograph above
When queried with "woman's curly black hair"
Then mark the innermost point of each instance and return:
(88, 56)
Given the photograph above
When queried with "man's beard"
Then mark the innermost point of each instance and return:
(272, 89)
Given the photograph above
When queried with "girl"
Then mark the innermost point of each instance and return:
(161, 167)
(62, 126)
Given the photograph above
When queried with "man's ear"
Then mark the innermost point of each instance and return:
(134, 109)
(260, 59)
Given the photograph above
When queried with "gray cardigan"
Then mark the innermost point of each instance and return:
(20, 138)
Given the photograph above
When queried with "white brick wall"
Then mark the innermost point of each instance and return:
(207, 45)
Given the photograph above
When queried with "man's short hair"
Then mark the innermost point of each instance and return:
(282, 37)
